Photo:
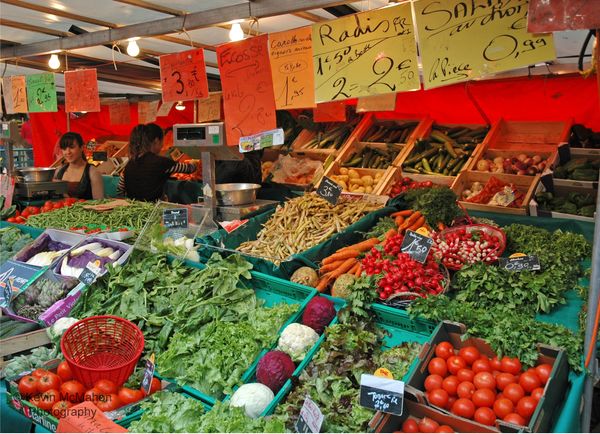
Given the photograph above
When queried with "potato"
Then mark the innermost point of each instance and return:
(353, 174)
(357, 181)
(367, 180)
(378, 176)
(369, 189)
(359, 190)
(343, 178)
(343, 184)
(343, 171)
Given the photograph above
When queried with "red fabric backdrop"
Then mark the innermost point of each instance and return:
(523, 98)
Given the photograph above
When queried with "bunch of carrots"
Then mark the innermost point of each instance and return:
(347, 259)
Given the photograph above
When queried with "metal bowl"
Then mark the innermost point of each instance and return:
(35, 174)
(236, 193)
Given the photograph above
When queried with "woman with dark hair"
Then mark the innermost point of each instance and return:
(146, 172)
(84, 180)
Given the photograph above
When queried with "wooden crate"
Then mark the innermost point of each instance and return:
(396, 174)
(334, 169)
(522, 134)
(525, 184)
(21, 343)
(305, 136)
(551, 157)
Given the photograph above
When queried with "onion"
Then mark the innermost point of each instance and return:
(483, 165)
(529, 162)
(536, 159)
(521, 172)
(498, 161)
(522, 157)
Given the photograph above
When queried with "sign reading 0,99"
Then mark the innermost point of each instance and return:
(365, 54)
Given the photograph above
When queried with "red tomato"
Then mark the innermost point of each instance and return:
(109, 402)
(25, 213)
(437, 365)
(496, 364)
(438, 397)
(155, 386)
(543, 371)
(537, 393)
(64, 371)
(49, 381)
(502, 407)
(514, 392)
(444, 350)
(514, 418)
(60, 409)
(469, 353)
(455, 364)
(465, 389)
(465, 375)
(451, 401)
(481, 365)
(484, 380)
(410, 425)
(34, 210)
(526, 406)
(504, 379)
(485, 416)
(38, 373)
(72, 391)
(48, 399)
(529, 381)
(449, 384)
(433, 382)
(512, 366)
(48, 203)
(57, 205)
(105, 386)
(483, 398)
(464, 408)
(28, 386)
(92, 395)
(428, 425)
(128, 396)
(444, 428)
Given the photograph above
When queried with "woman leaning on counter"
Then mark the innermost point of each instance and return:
(84, 181)
(146, 172)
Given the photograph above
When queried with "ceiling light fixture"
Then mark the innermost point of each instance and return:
(180, 106)
(133, 48)
(54, 62)
(236, 33)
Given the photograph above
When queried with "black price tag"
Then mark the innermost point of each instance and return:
(310, 418)
(99, 156)
(175, 218)
(88, 276)
(148, 375)
(382, 394)
(416, 245)
(520, 263)
(329, 190)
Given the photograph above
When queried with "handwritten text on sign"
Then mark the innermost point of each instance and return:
(15, 94)
(209, 109)
(248, 98)
(291, 66)
(365, 54)
(463, 40)
(382, 394)
(41, 93)
(81, 91)
(183, 76)
(417, 246)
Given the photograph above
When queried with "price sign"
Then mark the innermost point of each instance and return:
(329, 190)
(365, 54)
(15, 94)
(148, 374)
(118, 112)
(183, 76)
(100, 156)
(478, 38)
(334, 111)
(416, 245)
(520, 263)
(556, 15)
(175, 218)
(89, 274)
(382, 394)
(310, 418)
(376, 103)
(164, 109)
(81, 91)
(41, 93)
(147, 111)
(262, 140)
(248, 98)
(209, 109)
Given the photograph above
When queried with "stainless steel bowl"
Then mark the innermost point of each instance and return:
(236, 194)
(35, 174)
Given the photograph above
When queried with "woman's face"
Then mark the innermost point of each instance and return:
(72, 153)
(156, 146)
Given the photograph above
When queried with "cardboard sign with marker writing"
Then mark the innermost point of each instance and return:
(183, 76)
(118, 112)
(291, 66)
(209, 109)
(81, 91)
(15, 94)
(164, 109)
(41, 93)
(365, 54)
(248, 98)
(376, 103)
(88, 418)
(147, 111)
(330, 112)
(310, 418)
(479, 39)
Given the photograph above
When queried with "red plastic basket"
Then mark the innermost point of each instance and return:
(102, 347)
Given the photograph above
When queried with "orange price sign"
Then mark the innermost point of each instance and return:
(334, 111)
(183, 76)
(81, 91)
(248, 98)
(118, 112)
(15, 94)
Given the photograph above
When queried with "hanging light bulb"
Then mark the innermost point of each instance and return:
(236, 33)
(133, 48)
(54, 62)
(180, 106)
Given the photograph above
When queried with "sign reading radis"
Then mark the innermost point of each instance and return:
(365, 54)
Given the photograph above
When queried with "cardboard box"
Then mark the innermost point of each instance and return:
(554, 389)
(592, 155)
(71, 239)
(549, 184)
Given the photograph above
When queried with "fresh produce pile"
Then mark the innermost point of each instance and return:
(8, 212)
(579, 169)
(437, 204)
(302, 223)
(445, 152)
(10, 327)
(350, 180)
(494, 192)
(40, 295)
(578, 203)
(474, 386)
(163, 241)
(332, 136)
(389, 132)
(12, 240)
(582, 137)
(370, 157)
(43, 251)
(522, 164)
(133, 216)
(426, 424)
(49, 206)
(405, 184)
(97, 252)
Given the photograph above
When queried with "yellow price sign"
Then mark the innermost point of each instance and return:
(383, 373)
(463, 40)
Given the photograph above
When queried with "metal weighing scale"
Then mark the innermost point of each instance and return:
(206, 142)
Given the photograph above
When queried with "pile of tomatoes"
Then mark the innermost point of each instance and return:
(21, 217)
(426, 424)
(57, 392)
(473, 386)
(408, 184)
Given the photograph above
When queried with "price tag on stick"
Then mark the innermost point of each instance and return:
(176, 218)
(329, 190)
(520, 263)
(416, 245)
(310, 418)
(382, 394)
(89, 274)
(148, 374)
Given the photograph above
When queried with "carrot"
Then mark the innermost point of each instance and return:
(399, 220)
(410, 221)
(416, 225)
(330, 267)
(344, 268)
(441, 226)
(358, 270)
(323, 283)
(344, 254)
(404, 213)
(362, 246)
(390, 233)
(353, 269)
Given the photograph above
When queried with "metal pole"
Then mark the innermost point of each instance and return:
(208, 181)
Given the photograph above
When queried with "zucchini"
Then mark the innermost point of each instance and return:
(426, 165)
(450, 149)
(420, 156)
(410, 170)
(24, 327)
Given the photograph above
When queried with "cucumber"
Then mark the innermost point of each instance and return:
(23, 328)
(410, 170)
(426, 165)
(420, 156)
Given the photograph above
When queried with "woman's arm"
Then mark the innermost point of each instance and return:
(97, 183)
(121, 186)
(182, 168)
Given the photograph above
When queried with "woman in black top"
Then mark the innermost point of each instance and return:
(84, 180)
(146, 172)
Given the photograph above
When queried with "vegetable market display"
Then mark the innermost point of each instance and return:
(389, 132)
(49, 206)
(521, 164)
(332, 137)
(350, 180)
(579, 169)
(578, 203)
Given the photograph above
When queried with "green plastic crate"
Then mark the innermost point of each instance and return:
(33, 232)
